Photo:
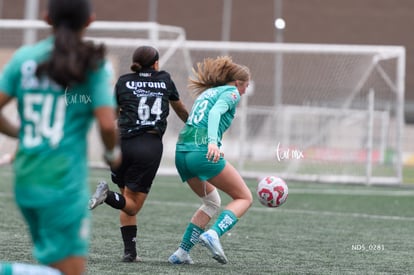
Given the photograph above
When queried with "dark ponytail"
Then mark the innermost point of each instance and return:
(71, 57)
(143, 58)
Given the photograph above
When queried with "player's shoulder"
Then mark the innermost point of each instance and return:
(127, 76)
(230, 93)
(145, 76)
(159, 76)
(34, 51)
(163, 74)
(227, 89)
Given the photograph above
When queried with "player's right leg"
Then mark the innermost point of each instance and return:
(61, 243)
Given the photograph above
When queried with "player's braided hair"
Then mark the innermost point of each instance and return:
(216, 72)
(71, 57)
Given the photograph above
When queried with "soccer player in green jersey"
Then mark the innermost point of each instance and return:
(60, 84)
(218, 83)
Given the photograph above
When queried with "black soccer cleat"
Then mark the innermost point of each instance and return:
(129, 258)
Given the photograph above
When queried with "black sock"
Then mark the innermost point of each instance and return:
(129, 236)
(115, 200)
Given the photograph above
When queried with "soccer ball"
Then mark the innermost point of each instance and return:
(272, 191)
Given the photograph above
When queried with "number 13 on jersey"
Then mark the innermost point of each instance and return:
(198, 112)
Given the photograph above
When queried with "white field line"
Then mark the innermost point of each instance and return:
(349, 215)
(391, 193)
(322, 191)
(291, 211)
(295, 211)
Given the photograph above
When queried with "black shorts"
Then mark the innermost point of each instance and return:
(141, 157)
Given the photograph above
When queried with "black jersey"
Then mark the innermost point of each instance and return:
(143, 99)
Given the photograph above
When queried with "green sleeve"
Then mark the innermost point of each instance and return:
(101, 87)
(9, 78)
(214, 116)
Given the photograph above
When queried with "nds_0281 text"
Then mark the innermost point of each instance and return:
(367, 247)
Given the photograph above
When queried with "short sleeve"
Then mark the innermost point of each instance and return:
(101, 87)
(174, 96)
(9, 78)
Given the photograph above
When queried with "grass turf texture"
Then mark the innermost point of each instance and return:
(321, 229)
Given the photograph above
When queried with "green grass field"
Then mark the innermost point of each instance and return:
(322, 229)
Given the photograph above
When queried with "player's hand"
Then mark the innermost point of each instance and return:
(113, 157)
(6, 159)
(213, 152)
(116, 163)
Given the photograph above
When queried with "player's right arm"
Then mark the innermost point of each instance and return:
(6, 127)
(8, 80)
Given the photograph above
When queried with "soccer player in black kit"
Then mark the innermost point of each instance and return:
(143, 98)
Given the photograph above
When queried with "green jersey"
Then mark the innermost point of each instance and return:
(51, 161)
(212, 114)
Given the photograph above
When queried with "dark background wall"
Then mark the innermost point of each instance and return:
(374, 22)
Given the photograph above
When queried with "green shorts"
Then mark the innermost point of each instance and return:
(195, 164)
(59, 231)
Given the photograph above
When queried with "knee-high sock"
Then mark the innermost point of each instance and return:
(115, 200)
(225, 221)
(190, 237)
(129, 237)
